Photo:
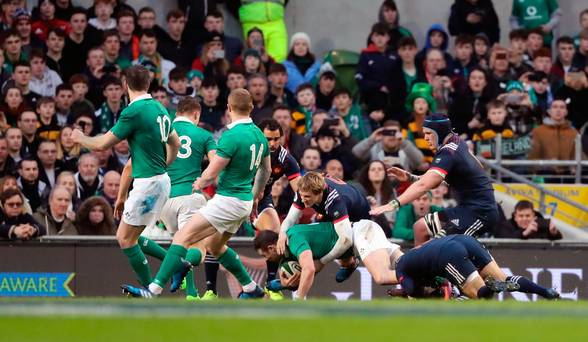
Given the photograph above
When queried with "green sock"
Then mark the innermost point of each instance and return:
(194, 256)
(171, 264)
(152, 248)
(230, 260)
(139, 264)
(191, 289)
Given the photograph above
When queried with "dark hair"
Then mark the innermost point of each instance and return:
(79, 78)
(341, 91)
(387, 188)
(281, 107)
(264, 239)
(565, 40)
(276, 67)
(464, 39)
(237, 69)
(111, 80)
(58, 32)
(125, 13)
(8, 33)
(271, 125)
(215, 14)
(304, 86)
(518, 34)
(209, 82)
(379, 28)
(37, 53)
(137, 77)
(27, 158)
(407, 41)
(78, 10)
(83, 224)
(178, 73)
(188, 104)
(389, 123)
(146, 9)
(537, 31)
(20, 64)
(159, 89)
(542, 52)
(522, 205)
(62, 87)
(9, 193)
(110, 33)
(44, 100)
(479, 69)
(175, 14)
(494, 104)
(149, 33)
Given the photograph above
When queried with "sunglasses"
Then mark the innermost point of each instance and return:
(13, 204)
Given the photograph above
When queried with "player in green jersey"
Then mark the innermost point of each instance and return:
(147, 127)
(241, 152)
(182, 204)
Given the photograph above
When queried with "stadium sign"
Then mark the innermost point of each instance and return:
(36, 284)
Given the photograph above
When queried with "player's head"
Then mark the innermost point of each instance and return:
(273, 132)
(311, 187)
(437, 128)
(265, 245)
(137, 78)
(240, 103)
(190, 108)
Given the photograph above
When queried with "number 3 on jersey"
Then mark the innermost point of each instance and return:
(164, 127)
(185, 150)
(255, 160)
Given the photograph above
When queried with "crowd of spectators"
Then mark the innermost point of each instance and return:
(61, 66)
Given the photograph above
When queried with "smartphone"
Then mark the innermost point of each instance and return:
(389, 132)
(257, 44)
(513, 98)
(501, 55)
(330, 122)
(219, 54)
(576, 76)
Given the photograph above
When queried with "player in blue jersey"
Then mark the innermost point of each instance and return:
(465, 262)
(455, 164)
(335, 201)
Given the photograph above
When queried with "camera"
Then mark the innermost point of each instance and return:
(331, 121)
(389, 132)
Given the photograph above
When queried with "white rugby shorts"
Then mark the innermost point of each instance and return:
(146, 200)
(177, 211)
(226, 213)
(368, 237)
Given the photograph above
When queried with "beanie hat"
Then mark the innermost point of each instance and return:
(514, 85)
(299, 36)
(440, 125)
(194, 73)
(251, 52)
(421, 90)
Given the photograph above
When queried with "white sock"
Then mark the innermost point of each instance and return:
(155, 289)
(250, 287)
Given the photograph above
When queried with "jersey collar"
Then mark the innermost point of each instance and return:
(242, 121)
(182, 119)
(141, 97)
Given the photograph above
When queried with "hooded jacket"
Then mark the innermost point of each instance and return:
(420, 57)
(44, 217)
(553, 140)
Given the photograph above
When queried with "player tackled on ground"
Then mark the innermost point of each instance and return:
(146, 125)
(241, 151)
(455, 164)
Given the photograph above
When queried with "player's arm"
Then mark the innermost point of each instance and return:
(100, 142)
(172, 147)
(262, 177)
(430, 180)
(217, 164)
(344, 242)
(126, 179)
(294, 183)
(291, 219)
(306, 275)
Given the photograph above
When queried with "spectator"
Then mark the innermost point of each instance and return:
(494, 124)
(325, 87)
(4, 75)
(14, 141)
(53, 217)
(88, 180)
(386, 144)
(55, 58)
(196, 11)
(408, 214)
(334, 169)
(94, 71)
(22, 24)
(521, 114)
(344, 107)
(292, 141)
(95, 217)
(213, 110)
(262, 106)
(12, 106)
(16, 223)
(374, 71)
(178, 86)
(526, 223)
(377, 187)
(122, 152)
(534, 43)
(80, 85)
(388, 15)
(215, 23)
(161, 95)
(575, 88)
(583, 25)
(581, 56)
(540, 91)
(21, 75)
(212, 61)
(419, 103)
(311, 160)
(437, 38)
(67, 151)
(47, 20)
(302, 66)
(542, 62)
(303, 116)
(35, 190)
(107, 161)
(9, 182)
(146, 21)
(64, 9)
(48, 128)
(278, 78)
(49, 167)
(103, 10)
(501, 72)
(440, 197)
(27, 122)
(531, 14)
(79, 41)
(111, 186)
(468, 111)
(12, 48)
(7, 164)
(555, 138)
(6, 18)
(472, 17)
(67, 180)
(482, 50)
(148, 51)
(236, 78)
(110, 110)
(437, 75)
(43, 81)
(252, 62)
(64, 98)
(406, 73)
(331, 147)
(111, 47)
(129, 42)
(565, 57)
(464, 55)
(171, 46)
(254, 41)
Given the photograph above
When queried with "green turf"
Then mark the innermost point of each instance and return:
(89, 320)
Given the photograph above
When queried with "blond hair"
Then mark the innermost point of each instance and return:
(240, 101)
(312, 182)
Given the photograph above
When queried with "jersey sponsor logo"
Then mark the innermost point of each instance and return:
(455, 222)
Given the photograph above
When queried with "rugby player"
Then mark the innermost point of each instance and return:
(146, 125)
(335, 201)
(195, 143)
(453, 163)
(241, 152)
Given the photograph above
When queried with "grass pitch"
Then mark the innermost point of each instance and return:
(89, 320)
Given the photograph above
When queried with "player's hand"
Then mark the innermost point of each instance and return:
(282, 242)
(196, 186)
(382, 209)
(119, 206)
(291, 282)
(253, 214)
(398, 173)
(77, 135)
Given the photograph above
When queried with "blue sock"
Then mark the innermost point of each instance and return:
(528, 286)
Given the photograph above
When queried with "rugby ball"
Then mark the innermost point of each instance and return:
(290, 268)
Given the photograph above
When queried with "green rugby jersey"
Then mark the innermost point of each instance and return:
(195, 143)
(318, 237)
(246, 146)
(146, 125)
